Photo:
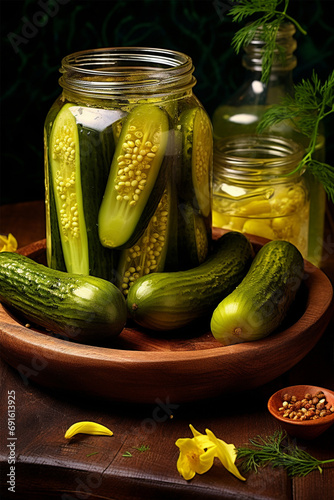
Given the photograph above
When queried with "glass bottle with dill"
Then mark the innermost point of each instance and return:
(242, 113)
(128, 166)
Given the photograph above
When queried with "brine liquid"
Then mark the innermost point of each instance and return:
(284, 216)
(186, 243)
(232, 120)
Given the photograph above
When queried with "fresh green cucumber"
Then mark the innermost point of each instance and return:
(81, 308)
(197, 158)
(261, 301)
(166, 301)
(133, 174)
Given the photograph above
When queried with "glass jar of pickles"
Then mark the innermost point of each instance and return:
(128, 166)
(257, 191)
(242, 111)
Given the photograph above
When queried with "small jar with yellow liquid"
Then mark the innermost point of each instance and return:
(257, 190)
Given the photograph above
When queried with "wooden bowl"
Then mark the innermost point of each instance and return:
(306, 429)
(182, 366)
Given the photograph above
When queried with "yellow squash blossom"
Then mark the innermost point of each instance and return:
(87, 428)
(226, 453)
(8, 243)
(197, 454)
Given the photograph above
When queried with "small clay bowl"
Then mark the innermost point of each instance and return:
(304, 429)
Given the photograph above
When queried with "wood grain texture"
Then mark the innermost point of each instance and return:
(185, 366)
(26, 221)
(48, 467)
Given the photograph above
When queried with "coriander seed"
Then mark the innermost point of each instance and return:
(310, 407)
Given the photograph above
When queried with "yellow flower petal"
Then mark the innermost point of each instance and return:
(193, 459)
(185, 467)
(8, 243)
(194, 431)
(196, 455)
(87, 428)
(201, 439)
(3, 242)
(12, 241)
(226, 453)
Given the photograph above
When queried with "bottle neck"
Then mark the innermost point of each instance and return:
(284, 60)
(126, 73)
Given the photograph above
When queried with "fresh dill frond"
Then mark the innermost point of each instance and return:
(278, 451)
(247, 8)
(311, 102)
(262, 452)
(265, 27)
(141, 448)
(325, 175)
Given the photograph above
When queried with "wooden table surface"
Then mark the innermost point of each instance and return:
(99, 467)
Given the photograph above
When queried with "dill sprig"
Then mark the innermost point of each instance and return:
(278, 451)
(311, 102)
(265, 27)
(140, 448)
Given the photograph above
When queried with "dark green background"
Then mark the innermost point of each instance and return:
(202, 29)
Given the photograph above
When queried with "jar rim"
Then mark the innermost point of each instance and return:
(248, 156)
(130, 70)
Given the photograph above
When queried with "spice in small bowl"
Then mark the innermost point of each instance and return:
(303, 411)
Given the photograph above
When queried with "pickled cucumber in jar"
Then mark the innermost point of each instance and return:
(128, 166)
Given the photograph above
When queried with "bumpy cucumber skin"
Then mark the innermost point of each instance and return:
(260, 303)
(168, 301)
(81, 308)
